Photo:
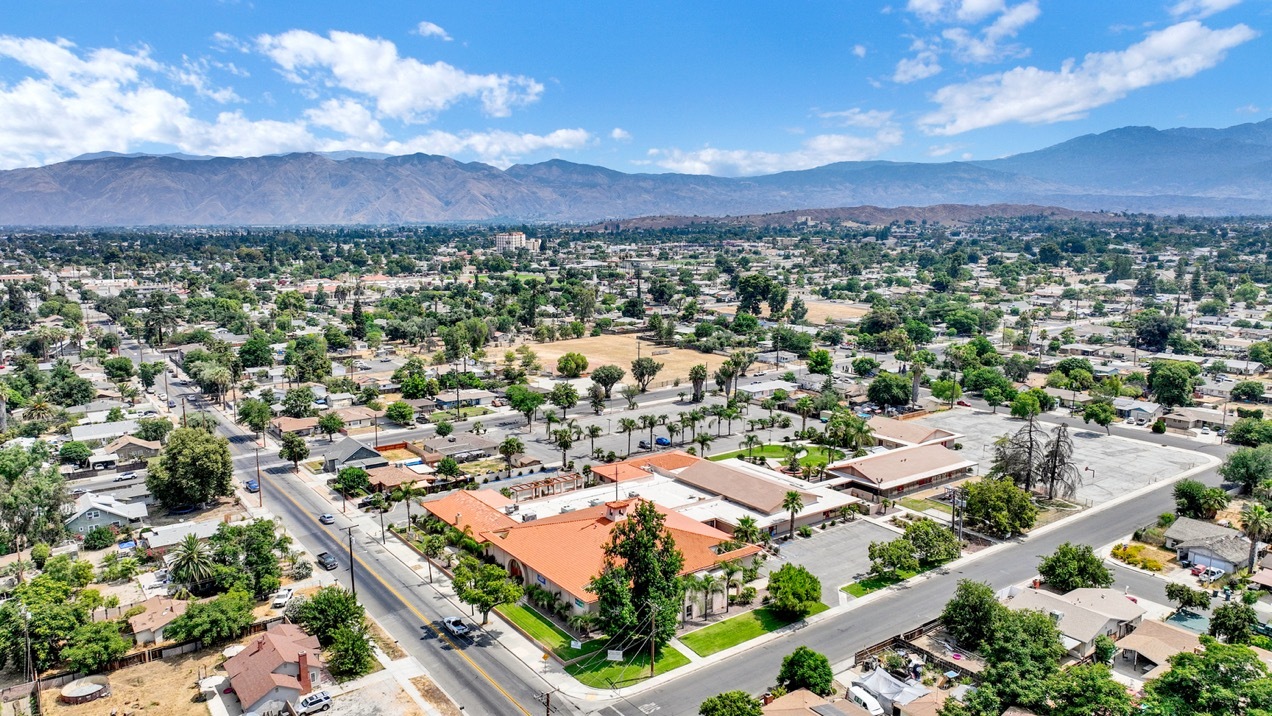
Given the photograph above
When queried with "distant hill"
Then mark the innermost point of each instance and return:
(1138, 169)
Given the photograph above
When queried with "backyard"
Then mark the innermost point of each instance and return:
(734, 631)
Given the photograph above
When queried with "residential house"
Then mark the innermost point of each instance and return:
(462, 447)
(282, 425)
(275, 668)
(423, 407)
(1207, 544)
(1148, 650)
(1081, 618)
(1192, 418)
(147, 627)
(102, 433)
(763, 389)
(896, 472)
(167, 536)
(359, 416)
(130, 448)
(352, 452)
(96, 411)
(892, 433)
(1136, 410)
(802, 702)
(466, 398)
(385, 479)
(92, 510)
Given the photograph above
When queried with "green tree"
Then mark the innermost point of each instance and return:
(1248, 467)
(1025, 406)
(255, 414)
(191, 562)
(93, 646)
(644, 370)
(255, 351)
(1224, 679)
(443, 428)
(99, 537)
(350, 654)
(564, 396)
(1247, 390)
(947, 390)
(1088, 690)
(75, 453)
(221, 619)
(731, 703)
(154, 429)
(889, 389)
(400, 412)
(352, 480)
(806, 669)
(794, 591)
(330, 423)
(1102, 414)
(1233, 622)
(1194, 499)
(329, 610)
(572, 365)
(820, 362)
(792, 502)
(1186, 597)
(118, 369)
(293, 449)
(525, 401)
(1073, 567)
(999, 506)
(1256, 522)
(298, 403)
(194, 468)
(970, 615)
(484, 586)
(1172, 381)
(607, 376)
(865, 365)
(892, 558)
(639, 584)
(509, 448)
(933, 543)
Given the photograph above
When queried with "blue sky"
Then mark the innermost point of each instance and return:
(729, 88)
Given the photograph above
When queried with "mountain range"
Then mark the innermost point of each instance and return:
(1137, 169)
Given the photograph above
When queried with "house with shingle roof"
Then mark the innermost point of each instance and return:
(147, 627)
(1207, 544)
(275, 668)
(1081, 618)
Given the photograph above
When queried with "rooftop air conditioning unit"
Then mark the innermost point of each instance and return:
(567, 508)
(509, 509)
(594, 502)
(529, 517)
(633, 493)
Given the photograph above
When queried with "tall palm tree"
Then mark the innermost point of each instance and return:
(804, 406)
(594, 432)
(564, 440)
(673, 429)
(731, 570)
(407, 492)
(792, 503)
(747, 530)
(704, 441)
(749, 443)
(693, 585)
(649, 422)
(191, 561)
(40, 409)
(627, 425)
(510, 448)
(549, 419)
(1256, 521)
(710, 585)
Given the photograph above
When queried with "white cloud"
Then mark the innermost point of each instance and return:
(816, 151)
(940, 150)
(857, 117)
(955, 10)
(1248, 109)
(1032, 95)
(620, 135)
(77, 101)
(429, 29)
(1198, 9)
(403, 88)
(859, 50)
(987, 45)
(921, 66)
(194, 74)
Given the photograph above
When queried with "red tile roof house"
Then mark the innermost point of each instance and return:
(281, 665)
(562, 553)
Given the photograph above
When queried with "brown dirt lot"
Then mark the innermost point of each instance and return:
(819, 312)
(434, 696)
(160, 688)
(621, 351)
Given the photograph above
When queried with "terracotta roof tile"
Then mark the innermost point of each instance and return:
(464, 508)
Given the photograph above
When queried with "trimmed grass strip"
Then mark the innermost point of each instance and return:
(744, 627)
(601, 674)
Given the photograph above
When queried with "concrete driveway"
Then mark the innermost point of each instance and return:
(837, 556)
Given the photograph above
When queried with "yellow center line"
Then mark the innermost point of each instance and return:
(423, 620)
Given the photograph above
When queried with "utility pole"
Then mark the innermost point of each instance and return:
(260, 486)
(653, 631)
(183, 411)
(353, 584)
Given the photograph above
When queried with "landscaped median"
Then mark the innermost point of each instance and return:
(731, 632)
(543, 630)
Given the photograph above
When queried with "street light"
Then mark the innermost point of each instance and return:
(353, 584)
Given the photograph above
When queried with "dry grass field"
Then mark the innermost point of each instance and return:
(159, 688)
(819, 312)
(621, 351)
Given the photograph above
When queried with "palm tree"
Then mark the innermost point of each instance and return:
(649, 422)
(407, 492)
(627, 425)
(731, 571)
(40, 409)
(549, 419)
(191, 561)
(673, 429)
(1212, 501)
(698, 376)
(510, 448)
(749, 443)
(804, 406)
(704, 441)
(594, 432)
(710, 585)
(564, 440)
(792, 503)
(693, 585)
(747, 530)
(1256, 521)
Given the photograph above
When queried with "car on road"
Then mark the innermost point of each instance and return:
(644, 445)
(78, 491)
(313, 703)
(163, 396)
(662, 442)
(125, 477)
(326, 561)
(252, 486)
(455, 626)
(172, 403)
(281, 598)
(964, 403)
(327, 518)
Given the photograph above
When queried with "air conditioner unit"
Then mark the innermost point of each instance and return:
(594, 502)
(510, 509)
(633, 493)
(567, 508)
(529, 517)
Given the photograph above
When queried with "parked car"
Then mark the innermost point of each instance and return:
(253, 486)
(1197, 569)
(366, 502)
(282, 597)
(1205, 431)
(455, 626)
(644, 445)
(1212, 574)
(163, 396)
(327, 518)
(313, 703)
(662, 442)
(326, 561)
(964, 403)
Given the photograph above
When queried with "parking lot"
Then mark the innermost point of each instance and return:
(837, 556)
(1111, 466)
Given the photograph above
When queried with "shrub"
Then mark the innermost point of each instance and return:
(805, 531)
(303, 569)
(1159, 427)
(99, 538)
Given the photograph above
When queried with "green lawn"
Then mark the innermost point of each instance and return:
(875, 583)
(472, 411)
(734, 631)
(920, 505)
(769, 451)
(546, 632)
(601, 674)
(820, 455)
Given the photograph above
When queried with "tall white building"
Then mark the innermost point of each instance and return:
(513, 240)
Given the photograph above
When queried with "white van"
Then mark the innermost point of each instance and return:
(862, 698)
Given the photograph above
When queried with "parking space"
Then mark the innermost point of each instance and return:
(837, 556)
(1111, 466)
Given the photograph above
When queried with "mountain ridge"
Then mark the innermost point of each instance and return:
(1138, 169)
